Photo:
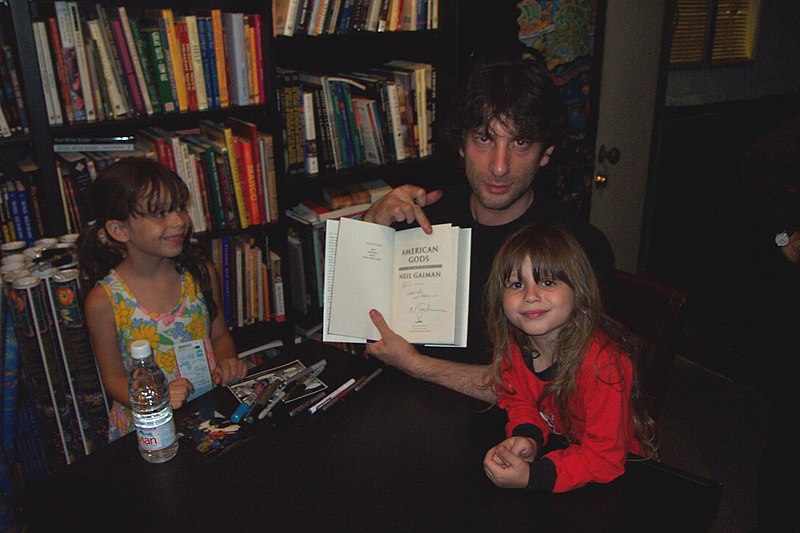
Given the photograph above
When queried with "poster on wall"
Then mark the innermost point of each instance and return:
(563, 31)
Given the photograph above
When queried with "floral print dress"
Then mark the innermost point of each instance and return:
(188, 321)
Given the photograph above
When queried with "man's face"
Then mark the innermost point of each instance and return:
(500, 168)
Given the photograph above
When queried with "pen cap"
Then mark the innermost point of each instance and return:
(140, 349)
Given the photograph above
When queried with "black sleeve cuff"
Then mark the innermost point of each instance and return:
(542, 475)
(530, 431)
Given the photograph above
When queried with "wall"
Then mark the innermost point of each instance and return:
(776, 69)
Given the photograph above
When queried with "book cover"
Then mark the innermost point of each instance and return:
(236, 57)
(172, 46)
(47, 73)
(226, 280)
(297, 278)
(418, 281)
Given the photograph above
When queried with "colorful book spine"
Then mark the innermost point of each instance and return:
(236, 58)
(83, 65)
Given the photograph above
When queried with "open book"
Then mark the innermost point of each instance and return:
(419, 282)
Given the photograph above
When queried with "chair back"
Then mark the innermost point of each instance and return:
(654, 313)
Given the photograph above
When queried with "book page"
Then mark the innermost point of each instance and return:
(331, 235)
(363, 278)
(425, 282)
(462, 288)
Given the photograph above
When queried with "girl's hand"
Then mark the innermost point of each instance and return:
(228, 370)
(179, 390)
(403, 204)
(392, 349)
(523, 447)
(505, 468)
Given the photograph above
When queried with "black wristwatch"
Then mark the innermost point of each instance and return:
(782, 239)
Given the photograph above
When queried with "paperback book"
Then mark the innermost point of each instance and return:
(418, 281)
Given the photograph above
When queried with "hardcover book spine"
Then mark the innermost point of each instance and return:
(127, 65)
(134, 55)
(236, 57)
(148, 69)
(106, 68)
(54, 115)
(192, 32)
(182, 38)
(83, 66)
(63, 80)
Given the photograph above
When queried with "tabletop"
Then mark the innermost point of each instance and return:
(400, 454)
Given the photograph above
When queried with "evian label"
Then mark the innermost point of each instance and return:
(157, 438)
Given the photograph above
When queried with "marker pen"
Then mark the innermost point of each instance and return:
(306, 404)
(320, 404)
(247, 404)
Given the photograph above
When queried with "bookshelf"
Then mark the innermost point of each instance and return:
(338, 52)
(342, 53)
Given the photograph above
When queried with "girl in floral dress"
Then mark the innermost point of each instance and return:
(149, 282)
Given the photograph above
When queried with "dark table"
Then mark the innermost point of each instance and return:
(400, 454)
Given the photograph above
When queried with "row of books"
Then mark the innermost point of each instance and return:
(306, 238)
(13, 116)
(20, 219)
(332, 122)
(99, 63)
(324, 17)
(250, 279)
(228, 166)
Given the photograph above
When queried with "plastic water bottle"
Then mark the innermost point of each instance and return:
(152, 412)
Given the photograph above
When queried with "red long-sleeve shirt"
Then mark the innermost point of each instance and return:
(602, 429)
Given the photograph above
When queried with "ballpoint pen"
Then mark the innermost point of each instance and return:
(366, 380)
(247, 404)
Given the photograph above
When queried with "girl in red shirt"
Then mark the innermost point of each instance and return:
(561, 369)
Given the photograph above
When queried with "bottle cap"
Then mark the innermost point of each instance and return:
(140, 349)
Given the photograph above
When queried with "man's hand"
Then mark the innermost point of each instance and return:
(792, 250)
(392, 349)
(403, 204)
